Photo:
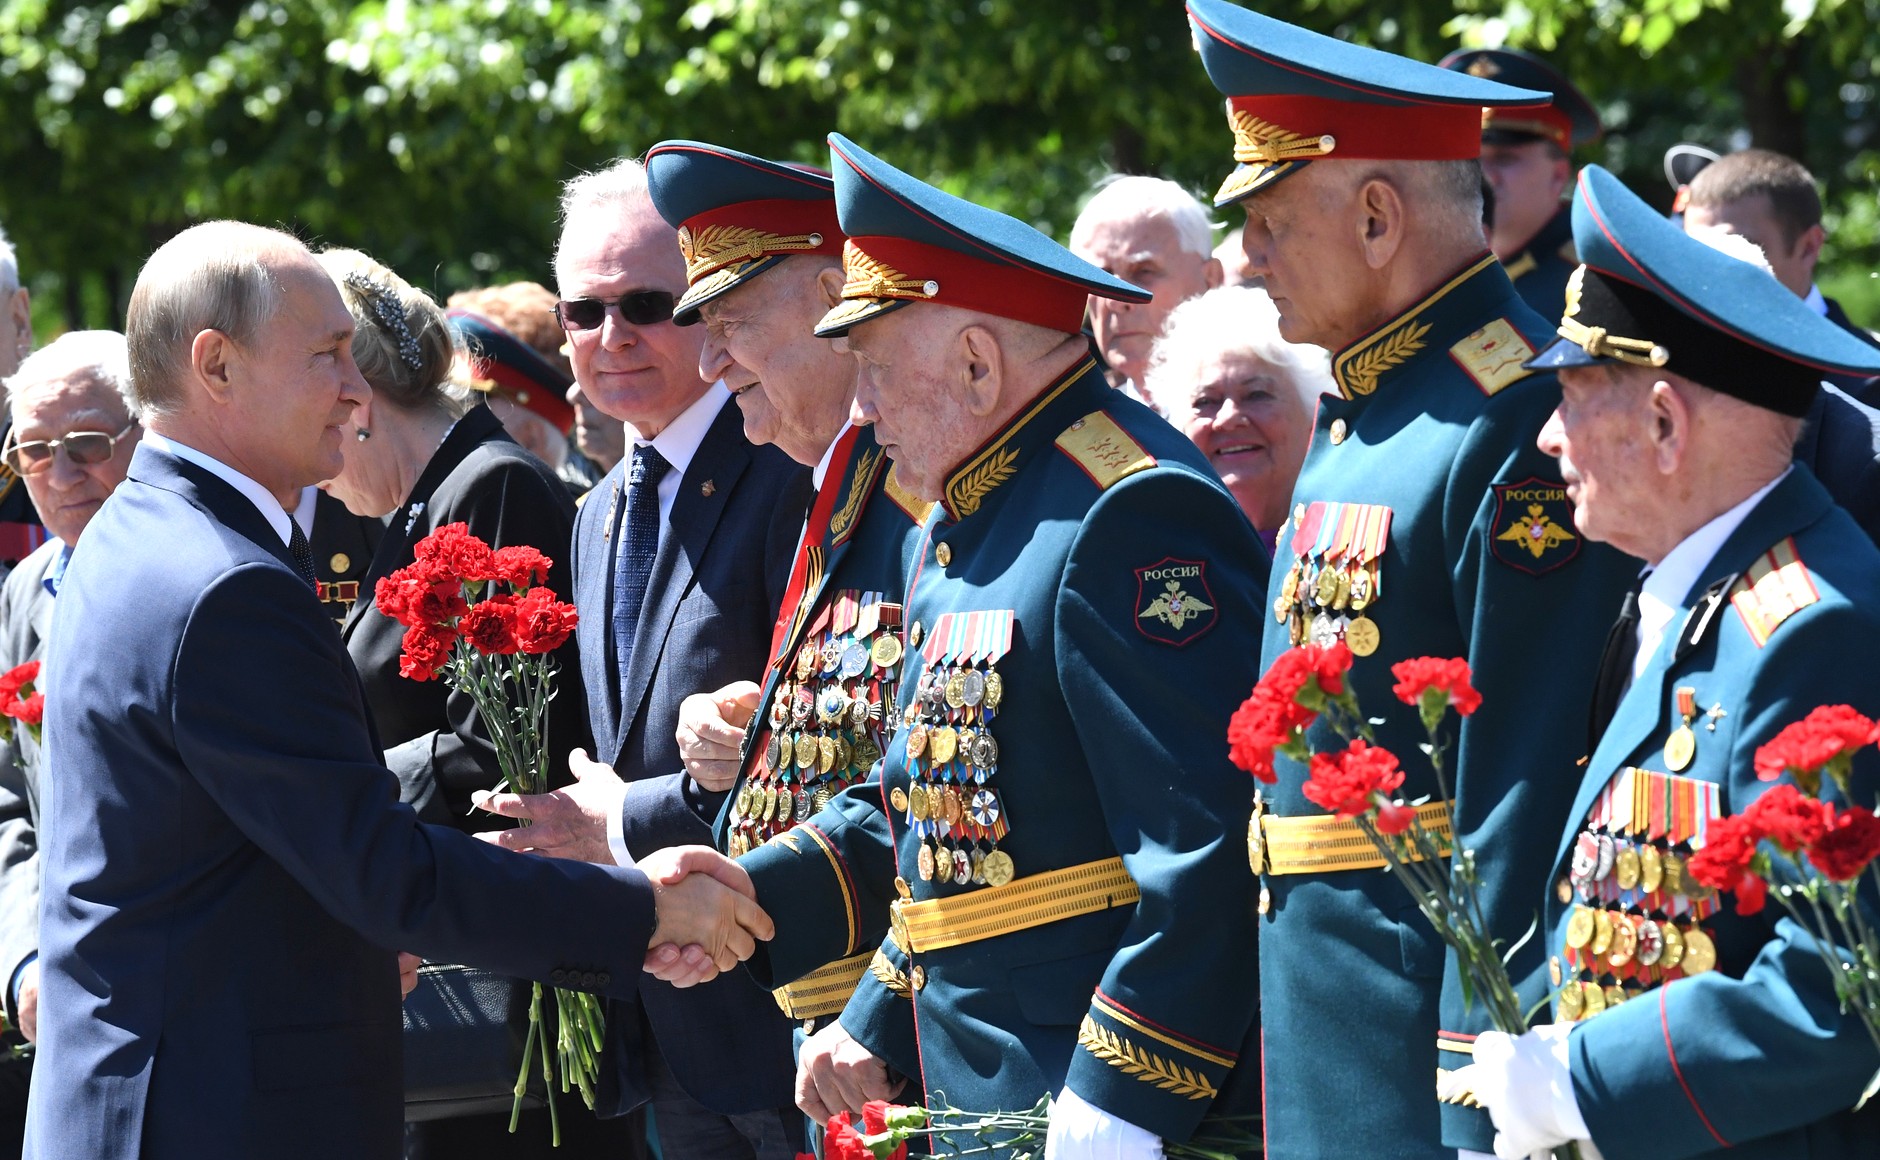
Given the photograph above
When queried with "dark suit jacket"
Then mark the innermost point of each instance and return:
(1840, 443)
(433, 739)
(710, 606)
(25, 618)
(1867, 390)
(227, 870)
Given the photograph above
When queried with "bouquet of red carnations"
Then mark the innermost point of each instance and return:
(1788, 830)
(886, 1128)
(1360, 783)
(483, 617)
(21, 701)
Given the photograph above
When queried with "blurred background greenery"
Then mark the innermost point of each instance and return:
(435, 135)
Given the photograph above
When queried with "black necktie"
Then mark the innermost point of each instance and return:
(302, 552)
(639, 544)
(1615, 668)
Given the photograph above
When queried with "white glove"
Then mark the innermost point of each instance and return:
(1526, 1084)
(1083, 1131)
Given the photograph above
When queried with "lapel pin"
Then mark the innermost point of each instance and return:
(1716, 713)
(706, 488)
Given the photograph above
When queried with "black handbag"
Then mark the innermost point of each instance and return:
(463, 1041)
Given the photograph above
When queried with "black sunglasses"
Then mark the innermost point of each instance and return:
(84, 448)
(641, 308)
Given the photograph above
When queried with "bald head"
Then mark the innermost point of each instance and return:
(221, 276)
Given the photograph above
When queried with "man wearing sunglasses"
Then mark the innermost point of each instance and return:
(70, 442)
(680, 557)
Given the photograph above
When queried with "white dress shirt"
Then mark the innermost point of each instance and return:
(1665, 589)
(677, 443)
(1816, 300)
(304, 510)
(261, 497)
(821, 471)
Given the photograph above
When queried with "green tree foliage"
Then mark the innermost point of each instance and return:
(436, 135)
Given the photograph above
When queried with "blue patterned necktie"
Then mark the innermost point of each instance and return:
(639, 544)
(302, 552)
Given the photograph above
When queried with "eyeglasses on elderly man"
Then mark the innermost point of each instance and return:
(83, 448)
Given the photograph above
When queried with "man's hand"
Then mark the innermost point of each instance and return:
(408, 972)
(569, 823)
(705, 903)
(836, 1074)
(711, 728)
(1526, 1083)
(29, 1002)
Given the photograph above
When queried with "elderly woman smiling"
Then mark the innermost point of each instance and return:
(1245, 396)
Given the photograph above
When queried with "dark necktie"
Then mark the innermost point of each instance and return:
(1615, 668)
(302, 552)
(639, 544)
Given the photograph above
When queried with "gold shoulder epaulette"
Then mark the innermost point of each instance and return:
(915, 507)
(1493, 355)
(1776, 587)
(1104, 450)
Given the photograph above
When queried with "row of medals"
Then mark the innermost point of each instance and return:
(1623, 946)
(1324, 603)
(951, 755)
(825, 732)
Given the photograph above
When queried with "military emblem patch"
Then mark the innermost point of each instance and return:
(1533, 526)
(1173, 603)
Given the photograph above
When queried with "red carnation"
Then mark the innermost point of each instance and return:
(1827, 738)
(453, 547)
(432, 596)
(1751, 894)
(31, 711)
(543, 623)
(1789, 818)
(426, 650)
(1727, 852)
(841, 1141)
(1395, 818)
(1434, 683)
(878, 1118)
(23, 676)
(391, 596)
(1846, 849)
(1283, 704)
(1349, 782)
(490, 626)
(519, 566)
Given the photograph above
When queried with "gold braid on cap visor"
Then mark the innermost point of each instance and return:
(722, 245)
(1598, 342)
(1258, 142)
(868, 278)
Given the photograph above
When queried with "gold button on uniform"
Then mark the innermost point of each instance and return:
(1338, 431)
(340, 562)
(914, 635)
(899, 798)
(920, 978)
(944, 554)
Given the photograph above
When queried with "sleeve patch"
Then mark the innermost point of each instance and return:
(1104, 451)
(1147, 1065)
(1776, 587)
(1532, 530)
(1173, 603)
(1493, 355)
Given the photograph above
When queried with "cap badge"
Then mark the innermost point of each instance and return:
(868, 278)
(1262, 142)
(714, 247)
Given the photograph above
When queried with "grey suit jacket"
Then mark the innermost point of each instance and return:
(25, 615)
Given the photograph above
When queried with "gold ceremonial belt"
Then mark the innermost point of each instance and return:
(825, 990)
(1018, 905)
(1323, 843)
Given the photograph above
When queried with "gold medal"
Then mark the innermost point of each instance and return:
(1602, 934)
(1674, 874)
(1624, 941)
(1341, 596)
(1360, 589)
(1580, 928)
(1615, 995)
(1673, 954)
(806, 751)
(887, 651)
(1326, 590)
(943, 743)
(1572, 1001)
(1626, 868)
(786, 807)
(1593, 999)
(916, 740)
(825, 753)
(1651, 869)
(1361, 636)
(998, 868)
(806, 659)
(768, 809)
(1680, 748)
(942, 864)
(743, 806)
(917, 803)
(1288, 590)
(925, 862)
(956, 690)
(955, 806)
(1700, 954)
(995, 691)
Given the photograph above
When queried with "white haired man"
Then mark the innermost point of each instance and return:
(1154, 234)
(70, 442)
(1224, 377)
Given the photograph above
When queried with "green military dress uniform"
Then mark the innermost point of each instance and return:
(1699, 1031)
(1057, 823)
(1426, 522)
(1747, 1054)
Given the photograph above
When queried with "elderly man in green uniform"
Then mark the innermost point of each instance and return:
(1425, 523)
(1685, 1028)
(1060, 817)
(1526, 157)
(763, 252)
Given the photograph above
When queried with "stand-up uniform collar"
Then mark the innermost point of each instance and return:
(1433, 325)
(1001, 457)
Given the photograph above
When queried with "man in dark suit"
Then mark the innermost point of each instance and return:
(680, 559)
(66, 405)
(224, 862)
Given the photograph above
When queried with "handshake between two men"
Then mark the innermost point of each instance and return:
(706, 917)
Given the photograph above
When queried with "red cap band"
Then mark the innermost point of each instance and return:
(884, 267)
(1273, 128)
(515, 385)
(749, 230)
